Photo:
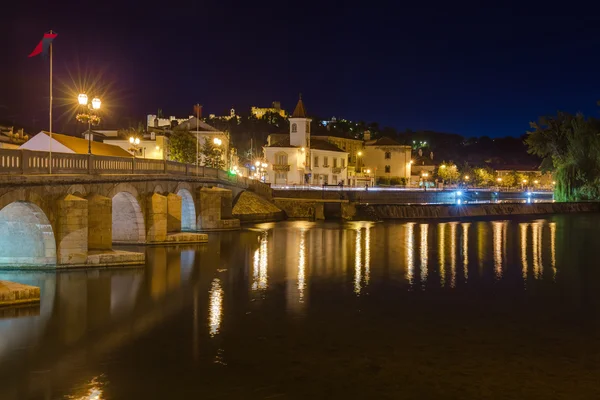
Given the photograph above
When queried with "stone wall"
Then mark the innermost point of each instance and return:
(251, 207)
(400, 211)
(301, 208)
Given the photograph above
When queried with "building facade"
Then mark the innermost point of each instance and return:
(386, 158)
(296, 159)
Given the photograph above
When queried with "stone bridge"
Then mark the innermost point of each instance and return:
(73, 215)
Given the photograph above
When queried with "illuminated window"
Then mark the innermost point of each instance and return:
(387, 169)
(316, 163)
(343, 163)
(388, 155)
(325, 162)
(335, 163)
(294, 128)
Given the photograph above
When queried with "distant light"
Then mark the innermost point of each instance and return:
(157, 148)
(499, 179)
(96, 103)
(524, 180)
(528, 193)
(137, 140)
(359, 153)
(554, 182)
(459, 193)
(443, 166)
(303, 149)
(459, 202)
(467, 177)
(536, 182)
(257, 163)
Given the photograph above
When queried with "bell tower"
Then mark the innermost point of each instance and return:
(300, 126)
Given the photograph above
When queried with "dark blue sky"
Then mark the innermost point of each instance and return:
(445, 67)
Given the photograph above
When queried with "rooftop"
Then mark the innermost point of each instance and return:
(80, 146)
(383, 141)
(299, 111)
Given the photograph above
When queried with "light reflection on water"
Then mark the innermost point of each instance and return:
(288, 262)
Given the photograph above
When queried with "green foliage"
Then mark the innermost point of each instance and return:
(448, 172)
(570, 147)
(398, 181)
(483, 176)
(182, 147)
(382, 180)
(211, 155)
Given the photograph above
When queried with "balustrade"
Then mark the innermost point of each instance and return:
(27, 162)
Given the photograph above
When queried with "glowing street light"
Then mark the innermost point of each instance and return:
(467, 177)
(89, 116)
(443, 166)
(83, 99)
(217, 141)
(499, 179)
(524, 180)
(257, 163)
(135, 141)
(536, 182)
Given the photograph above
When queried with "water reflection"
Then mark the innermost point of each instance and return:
(424, 259)
(453, 254)
(86, 314)
(261, 260)
(215, 307)
(358, 262)
(465, 227)
(302, 264)
(498, 232)
(442, 253)
(410, 248)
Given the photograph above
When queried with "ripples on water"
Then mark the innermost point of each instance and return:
(291, 287)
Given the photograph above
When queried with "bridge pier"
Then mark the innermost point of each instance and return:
(99, 222)
(72, 230)
(173, 213)
(214, 210)
(156, 218)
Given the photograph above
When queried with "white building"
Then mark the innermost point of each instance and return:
(71, 145)
(296, 159)
(151, 146)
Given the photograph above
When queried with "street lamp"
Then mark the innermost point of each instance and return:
(89, 116)
(135, 142)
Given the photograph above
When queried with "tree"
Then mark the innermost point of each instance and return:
(570, 146)
(182, 147)
(483, 176)
(212, 155)
(448, 172)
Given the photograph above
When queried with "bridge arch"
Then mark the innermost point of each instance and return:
(127, 219)
(26, 236)
(188, 210)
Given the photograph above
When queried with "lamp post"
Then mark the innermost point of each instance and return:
(89, 116)
(135, 143)
(424, 176)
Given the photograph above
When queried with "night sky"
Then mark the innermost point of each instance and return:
(448, 68)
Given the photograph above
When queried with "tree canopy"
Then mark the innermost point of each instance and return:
(569, 145)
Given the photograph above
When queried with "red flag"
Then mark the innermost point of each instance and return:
(44, 44)
(198, 110)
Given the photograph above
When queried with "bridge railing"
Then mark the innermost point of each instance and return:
(28, 162)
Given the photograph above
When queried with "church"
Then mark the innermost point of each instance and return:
(296, 159)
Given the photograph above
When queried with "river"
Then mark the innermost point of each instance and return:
(418, 310)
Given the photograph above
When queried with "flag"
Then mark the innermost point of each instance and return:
(198, 110)
(44, 44)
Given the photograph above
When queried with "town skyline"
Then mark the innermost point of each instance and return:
(486, 73)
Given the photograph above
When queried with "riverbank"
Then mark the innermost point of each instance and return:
(435, 211)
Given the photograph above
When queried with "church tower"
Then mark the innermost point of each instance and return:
(300, 126)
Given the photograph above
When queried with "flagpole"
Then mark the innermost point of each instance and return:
(50, 113)
(197, 145)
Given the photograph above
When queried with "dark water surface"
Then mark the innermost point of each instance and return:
(425, 310)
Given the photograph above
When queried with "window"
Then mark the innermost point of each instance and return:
(294, 128)
(387, 169)
(388, 155)
(325, 162)
(335, 181)
(281, 159)
(343, 163)
(316, 163)
(334, 162)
